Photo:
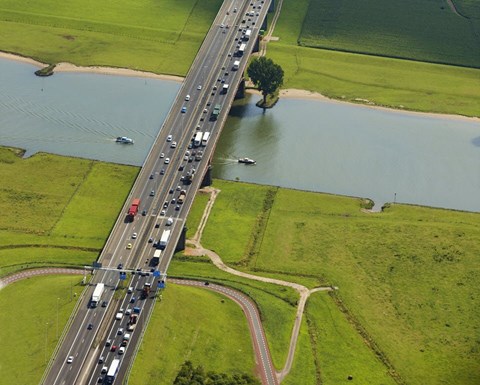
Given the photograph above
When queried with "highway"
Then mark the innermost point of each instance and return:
(158, 185)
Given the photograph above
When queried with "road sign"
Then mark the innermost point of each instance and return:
(161, 284)
(123, 276)
(156, 273)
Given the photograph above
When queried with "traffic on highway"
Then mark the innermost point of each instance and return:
(108, 325)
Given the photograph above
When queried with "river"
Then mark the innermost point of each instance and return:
(325, 146)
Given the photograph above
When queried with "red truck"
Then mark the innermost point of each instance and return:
(133, 210)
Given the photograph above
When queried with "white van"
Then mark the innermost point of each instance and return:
(130, 290)
(119, 316)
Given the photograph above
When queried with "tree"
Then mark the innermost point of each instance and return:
(266, 75)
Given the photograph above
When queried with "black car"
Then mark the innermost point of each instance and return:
(150, 240)
(157, 225)
(177, 207)
(90, 326)
(165, 205)
(190, 160)
(151, 176)
(171, 191)
(162, 171)
(104, 304)
(144, 212)
(120, 266)
(181, 167)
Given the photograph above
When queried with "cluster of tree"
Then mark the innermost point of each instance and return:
(188, 375)
(266, 75)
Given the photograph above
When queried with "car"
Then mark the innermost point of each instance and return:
(120, 331)
(104, 370)
(177, 207)
(150, 240)
(121, 350)
(202, 119)
(101, 359)
(167, 160)
(209, 103)
(90, 326)
(235, 10)
(162, 155)
(184, 109)
(185, 158)
(162, 171)
(108, 343)
(222, 25)
(173, 201)
(190, 146)
(226, 73)
(171, 191)
(128, 311)
(129, 246)
(169, 138)
(69, 359)
(104, 304)
(120, 266)
(179, 188)
(157, 225)
(144, 212)
(223, 80)
(113, 348)
(133, 299)
(134, 236)
(169, 221)
(100, 380)
(205, 110)
(162, 213)
(215, 87)
(165, 204)
(199, 87)
(151, 176)
(187, 98)
(173, 145)
(181, 167)
(190, 160)
(152, 193)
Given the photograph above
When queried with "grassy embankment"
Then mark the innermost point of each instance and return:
(57, 211)
(31, 310)
(390, 82)
(407, 276)
(161, 37)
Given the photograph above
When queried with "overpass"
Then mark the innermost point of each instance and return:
(173, 165)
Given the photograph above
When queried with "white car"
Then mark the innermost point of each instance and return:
(69, 359)
(173, 145)
(199, 87)
(119, 316)
(134, 236)
(162, 155)
(167, 160)
(187, 98)
(162, 213)
(169, 138)
(169, 221)
(128, 311)
(121, 350)
(120, 331)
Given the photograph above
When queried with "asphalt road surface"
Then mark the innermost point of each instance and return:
(158, 184)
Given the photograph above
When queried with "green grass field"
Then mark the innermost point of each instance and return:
(47, 205)
(407, 276)
(31, 325)
(412, 29)
(159, 36)
(197, 325)
(196, 212)
(384, 81)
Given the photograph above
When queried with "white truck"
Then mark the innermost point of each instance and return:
(225, 89)
(236, 65)
(97, 294)
(164, 240)
(156, 257)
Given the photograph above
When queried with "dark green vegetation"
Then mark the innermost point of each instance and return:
(383, 81)
(407, 276)
(159, 36)
(46, 71)
(266, 75)
(425, 30)
(189, 375)
(193, 324)
(57, 211)
(34, 314)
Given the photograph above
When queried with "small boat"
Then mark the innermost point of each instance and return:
(124, 139)
(247, 161)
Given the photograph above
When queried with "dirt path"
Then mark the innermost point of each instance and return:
(35, 272)
(303, 291)
(268, 36)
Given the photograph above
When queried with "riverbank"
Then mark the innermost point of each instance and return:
(284, 93)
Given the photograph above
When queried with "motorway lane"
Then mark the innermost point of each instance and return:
(207, 67)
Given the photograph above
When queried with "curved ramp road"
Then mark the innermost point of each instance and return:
(262, 352)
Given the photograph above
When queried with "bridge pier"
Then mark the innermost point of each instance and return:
(207, 179)
(256, 46)
(181, 241)
(241, 90)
